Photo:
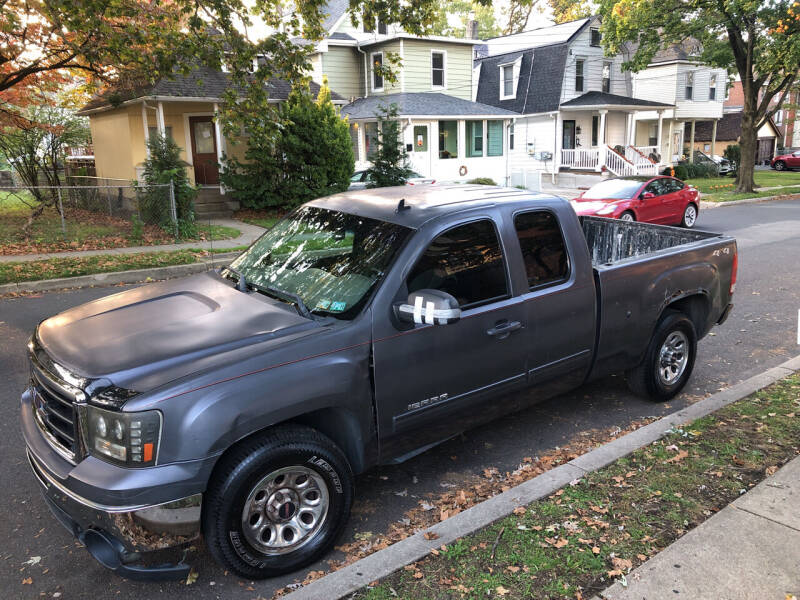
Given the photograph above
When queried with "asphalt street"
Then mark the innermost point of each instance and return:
(39, 559)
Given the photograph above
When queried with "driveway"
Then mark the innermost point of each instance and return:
(761, 333)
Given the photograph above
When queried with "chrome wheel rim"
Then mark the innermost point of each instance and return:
(626, 217)
(285, 510)
(690, 215)
(673, 358)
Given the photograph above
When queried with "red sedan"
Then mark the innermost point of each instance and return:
(663, 200)
(786, 161)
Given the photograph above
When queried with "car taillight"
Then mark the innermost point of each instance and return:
(734, 269)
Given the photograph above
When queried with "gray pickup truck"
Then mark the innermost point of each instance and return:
(362, 329)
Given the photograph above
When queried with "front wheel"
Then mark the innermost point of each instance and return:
(627, 216)
(669, 360)
(689, 216)
(780, 166)
(277, 503)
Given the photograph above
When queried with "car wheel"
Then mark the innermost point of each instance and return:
(277, 502)
(669, 360)
(627, 216)
(780, 166)
(689, 216)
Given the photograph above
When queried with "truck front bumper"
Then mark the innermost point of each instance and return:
(119, 514)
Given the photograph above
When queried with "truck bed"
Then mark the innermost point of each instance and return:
(611, 240)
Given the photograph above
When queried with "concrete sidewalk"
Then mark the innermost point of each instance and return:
(249, 234)
(750, 550)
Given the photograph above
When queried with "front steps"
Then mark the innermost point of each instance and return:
(211, 204)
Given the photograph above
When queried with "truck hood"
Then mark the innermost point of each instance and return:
(167, 327)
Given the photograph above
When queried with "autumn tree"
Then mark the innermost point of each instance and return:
(569, 10)
(758, 40)
(453, 17)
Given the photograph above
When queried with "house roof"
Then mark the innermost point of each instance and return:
(729, 128)
(535, 38)
(334, 10)
(202, 83)
(539, 86)
(599, 99)
(380, 39)
(418, 104)
(685, 50)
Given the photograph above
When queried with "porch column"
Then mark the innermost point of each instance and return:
(691, 144)
(630, 137)
(713, 138)
(462, 139)
(218, 138)
(146, 128)
(603, 127)
(659, 138)
(557, 143)
(160, 119)
(670, 149)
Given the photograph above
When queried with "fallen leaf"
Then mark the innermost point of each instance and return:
(430, 535)
(598, 509)
(678, 457)
(621, 563)
(27, 581)
(512, 569)
(771, 470)
(192, 577)
(596, 550)
(520, 510)
(501, 591)
(418, 575)
(641, 557)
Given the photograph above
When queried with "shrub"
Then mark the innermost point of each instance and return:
(312, 156)
(667, 171)
(164, 165)
(681, 173)
(734, 154)
(390, 160)
(484, 181)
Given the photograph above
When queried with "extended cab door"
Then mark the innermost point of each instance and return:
(432, 381)
(559, 300)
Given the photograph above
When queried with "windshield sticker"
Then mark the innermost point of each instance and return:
(338, 306)
(323, 305)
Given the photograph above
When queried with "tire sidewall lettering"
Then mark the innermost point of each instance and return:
(325, 465)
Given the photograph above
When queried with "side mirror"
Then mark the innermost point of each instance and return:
(647, 195)
(431, 307)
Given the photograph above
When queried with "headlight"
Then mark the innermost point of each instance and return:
(606, 210)
(129, 439)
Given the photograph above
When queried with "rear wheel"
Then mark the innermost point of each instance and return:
(669, 360)
(627, 216)
(689, 216)
(277, 503)
(780, 166)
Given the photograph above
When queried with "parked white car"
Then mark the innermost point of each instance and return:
(359, 180)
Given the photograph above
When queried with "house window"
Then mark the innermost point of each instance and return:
(437, 69)
(420, 138)
(778, 118)
(712, 88)
(511, 136)
(596, 37)
(607, 77)
(153, 131)
(689, 85)
(652, 135)
(507, 81)
(370, 135)
(494, 138)
(381, 28)
(474, 138)
(579, 75)
(706, 147)
(448, 139)
(354, 140)
(369, 25)
(377, 73)
(595, 130)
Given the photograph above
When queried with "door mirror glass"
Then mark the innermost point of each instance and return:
(647, 195)
(429, 307)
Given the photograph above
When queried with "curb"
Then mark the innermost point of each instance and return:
(384, 562)
(134, 276)
(705, 204)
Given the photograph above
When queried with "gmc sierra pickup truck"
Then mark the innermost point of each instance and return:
(361, 329)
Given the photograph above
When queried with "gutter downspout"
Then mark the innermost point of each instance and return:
(556, 150)
(366, 71)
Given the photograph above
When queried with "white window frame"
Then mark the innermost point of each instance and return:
(686, 87)
(712, 85)
(610, 65)
(515, 65)
(591, 37)
(372, 72)
(582, 60)
(444, 69)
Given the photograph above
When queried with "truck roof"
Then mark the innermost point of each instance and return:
(421, 203)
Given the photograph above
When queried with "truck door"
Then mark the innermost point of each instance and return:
(559, 305)
(433, 381)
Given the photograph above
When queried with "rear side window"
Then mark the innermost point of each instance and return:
(673, 185)
(656, 187)
(543, 249)
(466, 262)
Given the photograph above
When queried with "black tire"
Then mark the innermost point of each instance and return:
(780, 166)
(244, 470)
(645, 379)
(627, 213)
(689, 218)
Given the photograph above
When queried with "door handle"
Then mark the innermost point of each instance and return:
(503, 329)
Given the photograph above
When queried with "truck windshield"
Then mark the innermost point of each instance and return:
(330, 259)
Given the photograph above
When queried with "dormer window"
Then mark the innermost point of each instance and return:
(607, 77)
(712, 87)
(437, 69)
(579, 74)
(382, 28)
(508, 80)
(509, 77)
(596, 37)
(377, 72)
(689, 85)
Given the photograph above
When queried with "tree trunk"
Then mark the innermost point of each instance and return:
(747, 143)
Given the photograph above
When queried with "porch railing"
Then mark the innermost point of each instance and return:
(581, 158)
(616, 163)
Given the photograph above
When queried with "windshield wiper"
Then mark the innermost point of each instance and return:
(302, 309)
(241, 284)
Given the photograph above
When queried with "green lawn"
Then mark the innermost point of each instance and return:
(762, 179)
(581, 539)
(262, 218)
(729, 195)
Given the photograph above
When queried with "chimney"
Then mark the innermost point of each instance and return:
(472, 27)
